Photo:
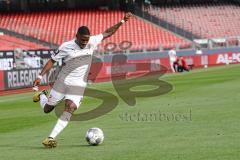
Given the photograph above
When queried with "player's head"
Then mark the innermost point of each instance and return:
(82, 36)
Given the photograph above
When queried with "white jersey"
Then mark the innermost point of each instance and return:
(172, 55)
(76, 61)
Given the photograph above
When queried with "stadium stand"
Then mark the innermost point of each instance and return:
(10, 43)
(59, 26)
(214, 20)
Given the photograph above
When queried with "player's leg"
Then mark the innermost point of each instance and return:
(45, 106)
(71, 104)
(53, 99)
(180, 68)
(48, 104)
(175, 66)
(42, 98)
(64, 119)
(186, 68)
(172, 66)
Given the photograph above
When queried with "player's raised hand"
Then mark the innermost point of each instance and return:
(110, 31)
(127, 16)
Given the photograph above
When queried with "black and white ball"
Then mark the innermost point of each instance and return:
(94, 136)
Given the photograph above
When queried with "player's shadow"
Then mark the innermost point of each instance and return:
(22, 147)
(32, 147)
(42, 147)
(78, 145)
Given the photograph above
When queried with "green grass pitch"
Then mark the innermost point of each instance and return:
(202, 121)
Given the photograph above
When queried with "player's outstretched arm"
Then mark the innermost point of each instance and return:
(45, 70)
(110, 31)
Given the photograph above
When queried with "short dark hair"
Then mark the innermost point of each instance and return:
(83, 30)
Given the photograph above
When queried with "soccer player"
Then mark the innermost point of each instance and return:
(72, 79)
(172, 58)
(181, 65)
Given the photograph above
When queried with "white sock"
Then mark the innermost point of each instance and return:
(43, 100)
(61, 124)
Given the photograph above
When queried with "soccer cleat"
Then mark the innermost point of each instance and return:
(50, 142)
(36, 96)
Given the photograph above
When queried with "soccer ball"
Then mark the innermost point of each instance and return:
(94, 136)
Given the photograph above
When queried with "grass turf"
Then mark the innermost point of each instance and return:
(200, 120)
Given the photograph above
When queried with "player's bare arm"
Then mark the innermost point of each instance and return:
(110, 31)
(45, 70)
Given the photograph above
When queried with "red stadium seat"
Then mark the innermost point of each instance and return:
(206, 21)
(57, 27)
(11, 43)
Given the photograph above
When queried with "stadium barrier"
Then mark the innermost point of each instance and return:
(2, 87)
(104, 69)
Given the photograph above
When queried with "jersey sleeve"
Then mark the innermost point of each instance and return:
(59, 54)
(96, 40)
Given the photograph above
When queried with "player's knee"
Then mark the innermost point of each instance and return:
(70, 106)
(48, 108)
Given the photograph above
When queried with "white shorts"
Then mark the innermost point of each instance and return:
(55, 97)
